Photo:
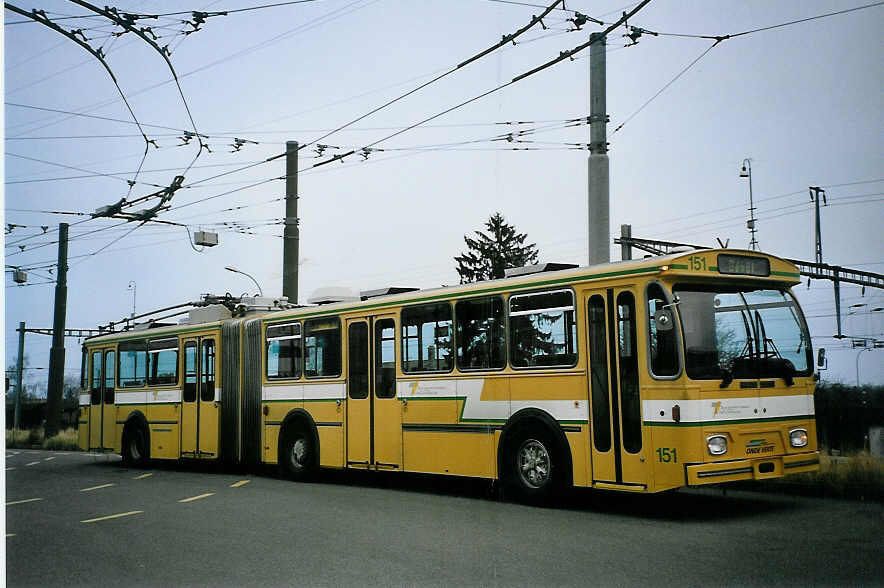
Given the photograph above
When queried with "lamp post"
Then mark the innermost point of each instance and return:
(236, 271)
(857, 363)
(746, 172)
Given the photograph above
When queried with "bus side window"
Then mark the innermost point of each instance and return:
(426, 338)
(663, 345)
(322, 347)
(481, 342)
(133, 364)
(542, 330)
(283, 356)
(163, 361)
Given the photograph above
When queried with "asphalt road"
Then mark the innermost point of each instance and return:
(177, 526)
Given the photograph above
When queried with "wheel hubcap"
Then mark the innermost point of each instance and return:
(299, 450)
(133, 450)
(534, 463)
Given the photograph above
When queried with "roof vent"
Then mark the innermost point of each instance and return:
(388, 291)
(331, 295)
(537, 268)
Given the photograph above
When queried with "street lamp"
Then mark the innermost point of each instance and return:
(857, 363)
(236, 271)
(132, 287)
(746, 172)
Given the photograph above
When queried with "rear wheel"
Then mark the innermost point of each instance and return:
(135, 449)
(297, 454)
(533, 466)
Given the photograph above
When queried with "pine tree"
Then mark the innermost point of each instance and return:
(490, 252)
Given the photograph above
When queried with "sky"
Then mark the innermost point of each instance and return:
(802, 102)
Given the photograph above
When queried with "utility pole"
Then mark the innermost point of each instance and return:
(625, 246)
(19, 368)
(56, 353)
(746, 172)
(815, 193)
(599, 191)
(291, 233)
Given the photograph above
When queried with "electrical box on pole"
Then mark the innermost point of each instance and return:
(205, 238)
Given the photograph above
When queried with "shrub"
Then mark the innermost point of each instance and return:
(65, 441)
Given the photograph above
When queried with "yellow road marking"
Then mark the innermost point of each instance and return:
(32, 463)
(23, 501)
(142, 476)
(97, 487)
(192, 498)
(113, 516)
(240, 483)
(48, 458)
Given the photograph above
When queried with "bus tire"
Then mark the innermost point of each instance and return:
(297, 453)
(135, 448)
(533, 469)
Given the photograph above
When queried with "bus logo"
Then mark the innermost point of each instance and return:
(759, 446)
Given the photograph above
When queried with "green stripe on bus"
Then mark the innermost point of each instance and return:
(733, 422)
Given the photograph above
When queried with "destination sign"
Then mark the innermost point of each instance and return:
(743, 265)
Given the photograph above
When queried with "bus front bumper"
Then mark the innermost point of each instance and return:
(752, 469)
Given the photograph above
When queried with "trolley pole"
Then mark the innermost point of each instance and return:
(599, 191)
(291, 233)
(56, 353)
(19, 368)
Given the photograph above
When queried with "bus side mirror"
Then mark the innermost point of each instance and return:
(663, 319)
(821, 358)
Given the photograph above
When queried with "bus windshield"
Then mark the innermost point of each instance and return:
(742, 333)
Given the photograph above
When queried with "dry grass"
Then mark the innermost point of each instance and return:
(859, 475)
(66, 440)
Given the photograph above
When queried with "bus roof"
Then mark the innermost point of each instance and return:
(702, 264)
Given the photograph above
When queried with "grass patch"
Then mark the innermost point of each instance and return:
(858, 476)
(66, 440)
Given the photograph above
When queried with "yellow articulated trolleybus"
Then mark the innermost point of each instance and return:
(686, 369)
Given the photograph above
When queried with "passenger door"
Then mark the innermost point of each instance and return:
(96, 382)
(199, 406)
(374, 415)
(209, 402)
(102, 412)
(618, 454)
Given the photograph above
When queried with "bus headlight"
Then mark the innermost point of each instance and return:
(798, 437)
(717, 444)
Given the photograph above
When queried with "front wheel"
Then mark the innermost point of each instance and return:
(533, 468)
(297, 457)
